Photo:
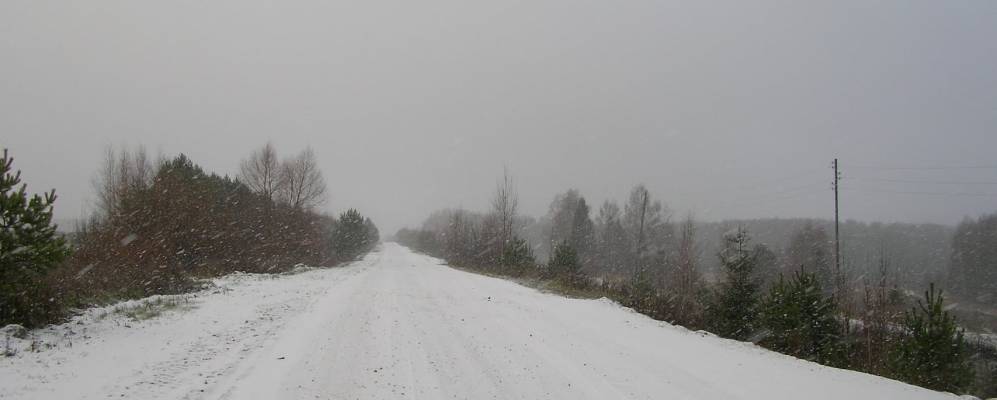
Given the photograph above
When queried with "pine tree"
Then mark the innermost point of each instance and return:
(931, 351)
(582, 233)
(766, 265)
(810, 247)
(612, 242)
(800, 320)
(516, 256)
(352, 234)
(643, 296)
(734, 307)
(564, 263)
(29, 244)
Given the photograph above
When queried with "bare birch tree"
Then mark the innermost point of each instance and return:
(301, 183)
(261, 172)
(686, 280)
(122, 172)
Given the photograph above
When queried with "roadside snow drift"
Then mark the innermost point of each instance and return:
(399, 325)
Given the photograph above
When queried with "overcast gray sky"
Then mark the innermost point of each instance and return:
(727, 109)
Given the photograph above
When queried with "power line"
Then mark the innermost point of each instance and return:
(806, 190)
(890, 168)
(774, 195)
(805, 173)
(757, 185)
(781, 196)
(929, 182)
(792, 193)
(966, 194)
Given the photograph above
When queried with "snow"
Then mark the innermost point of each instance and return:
(399, 325)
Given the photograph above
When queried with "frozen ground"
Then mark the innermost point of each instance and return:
(398, 325)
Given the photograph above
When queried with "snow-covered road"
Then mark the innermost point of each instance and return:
(399, 325)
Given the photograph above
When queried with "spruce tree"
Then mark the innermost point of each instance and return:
(931, 351)
(29, 245)
(733, 310)
(800, 320)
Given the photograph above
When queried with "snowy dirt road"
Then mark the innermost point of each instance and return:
(398, 325)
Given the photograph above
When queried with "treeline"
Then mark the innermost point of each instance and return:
(795, 300)
(483, 241)
(161, 226)
(974, 259)
(918, 253)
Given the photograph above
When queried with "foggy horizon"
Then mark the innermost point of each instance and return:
(725, 111)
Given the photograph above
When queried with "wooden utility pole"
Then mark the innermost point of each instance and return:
(837, 233)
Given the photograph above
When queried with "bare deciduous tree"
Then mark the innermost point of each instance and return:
(122, 172)
(686, 279)
(504, 205)
(301, 182)
(646, 223)
(561, 215)
(261, 171)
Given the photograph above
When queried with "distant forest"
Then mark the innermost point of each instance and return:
(911, 255)
(916, 254)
